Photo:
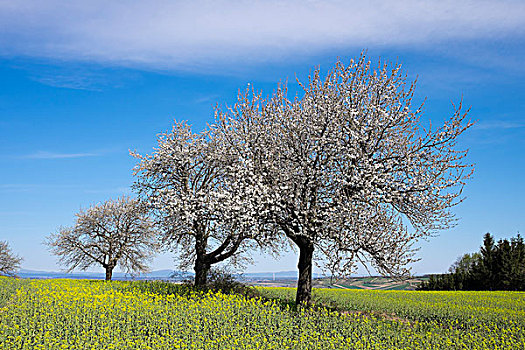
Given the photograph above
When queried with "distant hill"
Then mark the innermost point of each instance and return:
(276, 279)
(158, 274)
(271, 275)
(371, 282)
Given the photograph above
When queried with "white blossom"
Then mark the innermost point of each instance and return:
(345, 166)
(203, 199)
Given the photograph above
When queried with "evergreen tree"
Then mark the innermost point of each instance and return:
(518, 248)
(510, 264)
(486, 267)
(498, 266)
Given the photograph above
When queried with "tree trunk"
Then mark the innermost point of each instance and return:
(202, 263)
(109, 272)
(201, 272)
(304, 283)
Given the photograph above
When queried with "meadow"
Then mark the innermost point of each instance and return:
(79, 314)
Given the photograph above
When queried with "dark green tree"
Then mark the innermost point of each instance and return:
(483, 273)
(509, 264)
(498, 266)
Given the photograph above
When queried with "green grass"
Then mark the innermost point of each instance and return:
(466, 308)
(397, 287)
(347, 286)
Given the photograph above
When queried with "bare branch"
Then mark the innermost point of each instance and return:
(9, 262)
(113, 233)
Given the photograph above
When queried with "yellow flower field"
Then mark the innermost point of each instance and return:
(75, 314)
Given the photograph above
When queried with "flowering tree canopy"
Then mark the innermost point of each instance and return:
(349, 172)
(9, 263)
(116, 232)
(199, 197)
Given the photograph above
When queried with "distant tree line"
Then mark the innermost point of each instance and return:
(497, 266)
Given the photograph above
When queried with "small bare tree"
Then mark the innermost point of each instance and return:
(198, 197)
(114, 233)
(9, 262)
(348, 165)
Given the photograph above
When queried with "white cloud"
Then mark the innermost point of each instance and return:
(118, 190)
(208, 99)
(33, 187)
(53, 155)
(499, 124)
(68, 81)
(181, 35)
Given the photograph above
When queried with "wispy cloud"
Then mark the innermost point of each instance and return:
(33, 187)
(15, 213)
(77, 76)
(207, 99)
(499, 124)
(18, 187)
(28, 187)
(179, 34)
(115, 190)
(54, 155)
(73, 81)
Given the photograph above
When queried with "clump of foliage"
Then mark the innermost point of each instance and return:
(223, 280)
(218, 279)
(498, 266)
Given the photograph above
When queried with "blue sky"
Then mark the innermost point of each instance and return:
(82, 83)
